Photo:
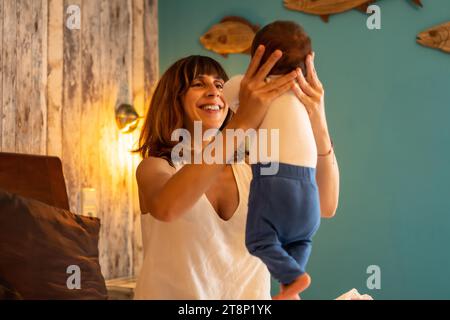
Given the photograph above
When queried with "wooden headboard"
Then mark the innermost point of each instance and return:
(37, 177)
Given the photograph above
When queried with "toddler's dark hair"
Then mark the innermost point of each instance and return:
(288, 37)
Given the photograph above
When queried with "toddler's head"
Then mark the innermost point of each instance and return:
(288, 37)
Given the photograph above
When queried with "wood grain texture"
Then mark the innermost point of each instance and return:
(91, 94)
(38, 112)
(151, 47)
(9, 62)
(138, 56)
(105, 140)
(25, 77)
(55, 56)
(128, 142)
(71, 116)
(116, 65)
(1, 71)
(139, 104)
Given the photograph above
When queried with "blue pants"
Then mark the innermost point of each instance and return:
(283, 215)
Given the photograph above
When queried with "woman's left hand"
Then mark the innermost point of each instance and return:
(311, 93)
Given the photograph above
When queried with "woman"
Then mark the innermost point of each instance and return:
(194, 215)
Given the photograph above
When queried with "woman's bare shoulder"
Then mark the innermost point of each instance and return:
(151, 166)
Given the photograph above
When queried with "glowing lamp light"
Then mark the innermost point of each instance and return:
(127, 118)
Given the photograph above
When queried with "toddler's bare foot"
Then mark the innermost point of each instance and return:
(292, 290)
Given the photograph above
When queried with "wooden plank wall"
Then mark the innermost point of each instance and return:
(59, 88)
(145, 77)
(9, 72)
(1, 68)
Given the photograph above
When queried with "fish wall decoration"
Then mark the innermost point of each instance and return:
(437, 37)
(231, 35)
(325, 8)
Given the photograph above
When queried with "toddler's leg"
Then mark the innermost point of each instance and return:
(262, 241)
(300, 251)
(291, 291)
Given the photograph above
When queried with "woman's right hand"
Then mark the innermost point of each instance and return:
(256, 94)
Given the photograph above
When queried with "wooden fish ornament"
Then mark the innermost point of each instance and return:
(231, 35)
(325, 8)
(437, 37)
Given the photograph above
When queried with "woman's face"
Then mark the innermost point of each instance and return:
(204, 102)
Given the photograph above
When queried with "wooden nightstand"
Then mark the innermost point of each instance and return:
(121, 288)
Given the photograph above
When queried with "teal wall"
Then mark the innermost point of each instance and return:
(388, 108)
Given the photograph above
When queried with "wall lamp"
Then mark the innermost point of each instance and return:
(127, 118)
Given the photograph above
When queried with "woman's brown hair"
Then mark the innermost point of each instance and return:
(166, 111)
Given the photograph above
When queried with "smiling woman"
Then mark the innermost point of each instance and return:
(194, 216)
(189, 90)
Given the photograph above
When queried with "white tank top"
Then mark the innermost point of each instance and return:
(201, 256)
